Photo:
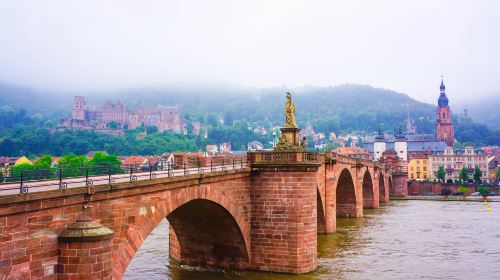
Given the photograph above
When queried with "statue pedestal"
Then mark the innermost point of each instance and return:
(291, 134)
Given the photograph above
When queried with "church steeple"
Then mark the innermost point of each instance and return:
(444, 125)
(443, 99)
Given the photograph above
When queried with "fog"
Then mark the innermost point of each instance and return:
(117, 45)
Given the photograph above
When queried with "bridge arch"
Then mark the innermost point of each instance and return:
(204, 231)
(345, 195)
(320, 215)
(389, 184)
(368, 191)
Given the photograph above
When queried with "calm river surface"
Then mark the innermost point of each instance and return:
(402, 240)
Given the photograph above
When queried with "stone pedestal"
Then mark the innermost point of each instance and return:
(284, 222)
(291, 134)
(85, 250)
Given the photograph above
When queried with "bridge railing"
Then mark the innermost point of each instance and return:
(269, 157)
(27, 178)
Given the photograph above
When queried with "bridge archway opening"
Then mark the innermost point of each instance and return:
(389, 184)
(203, 233)
(381, 187)
(368, 193)
(346, 195)
(198, 233)
(321, 221)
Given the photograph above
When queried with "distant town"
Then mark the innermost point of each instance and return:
(418, 155)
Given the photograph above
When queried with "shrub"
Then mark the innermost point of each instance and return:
(464, 190)
(484, 191)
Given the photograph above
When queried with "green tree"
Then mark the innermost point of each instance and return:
(440, 173)
(43, 168)
(477, 175)
(484, 192)
(103, 163)
(23, 171)
(72, 165)
(463, 174)
(497, 175)
(1, 176)
(330, 146)
(113, 124)
(43, 162)
(465, 190)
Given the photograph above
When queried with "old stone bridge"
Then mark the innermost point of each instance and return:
(263, 217)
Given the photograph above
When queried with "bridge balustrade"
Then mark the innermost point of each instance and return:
(62, 177)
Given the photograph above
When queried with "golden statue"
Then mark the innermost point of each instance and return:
(289, 112)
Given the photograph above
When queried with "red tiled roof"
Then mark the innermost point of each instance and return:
(133, 160)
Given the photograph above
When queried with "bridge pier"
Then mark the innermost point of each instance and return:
(284, 223)
(85, 251)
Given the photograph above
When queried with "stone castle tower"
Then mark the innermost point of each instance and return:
(79, 107)
(444, 125)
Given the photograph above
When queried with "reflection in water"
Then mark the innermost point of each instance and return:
(405, 239)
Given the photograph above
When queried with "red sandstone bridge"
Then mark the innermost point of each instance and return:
(264, 215)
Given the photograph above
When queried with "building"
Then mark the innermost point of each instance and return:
(166, 161)
(409, 144)
(213, 149)
(115, 115)
(225, 148)
(23, 160)
(455, 160)
(418, 167)
(133, 163)
(444, 125)
(354, 152)
(493, 166)
(391, 160)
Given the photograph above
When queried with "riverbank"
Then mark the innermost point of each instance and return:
(450, 198)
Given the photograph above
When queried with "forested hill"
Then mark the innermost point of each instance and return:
(343, 108)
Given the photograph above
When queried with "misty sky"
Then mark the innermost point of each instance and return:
(108, 45)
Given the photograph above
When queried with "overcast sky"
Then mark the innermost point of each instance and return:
(400, 45)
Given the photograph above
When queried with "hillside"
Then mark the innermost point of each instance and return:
(344, 108)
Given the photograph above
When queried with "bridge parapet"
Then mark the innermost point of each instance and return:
(271, 158)
(334, 158)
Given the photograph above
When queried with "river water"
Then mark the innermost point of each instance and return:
(401, 240)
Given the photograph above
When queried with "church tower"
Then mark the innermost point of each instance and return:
(444, 125)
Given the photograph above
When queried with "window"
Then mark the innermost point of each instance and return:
(418, 162)
(418, 168)
(425, 168)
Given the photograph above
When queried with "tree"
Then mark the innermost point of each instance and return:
(1, 176)
(113, 124)
(440, 174)
(465, 190)
(477, 175)
(484, 192)
(497, 175)
(463, 174)
(72, 165)
(43, 162)
(103, 163)
(23, 171)
(330, 146)
(43, 166)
